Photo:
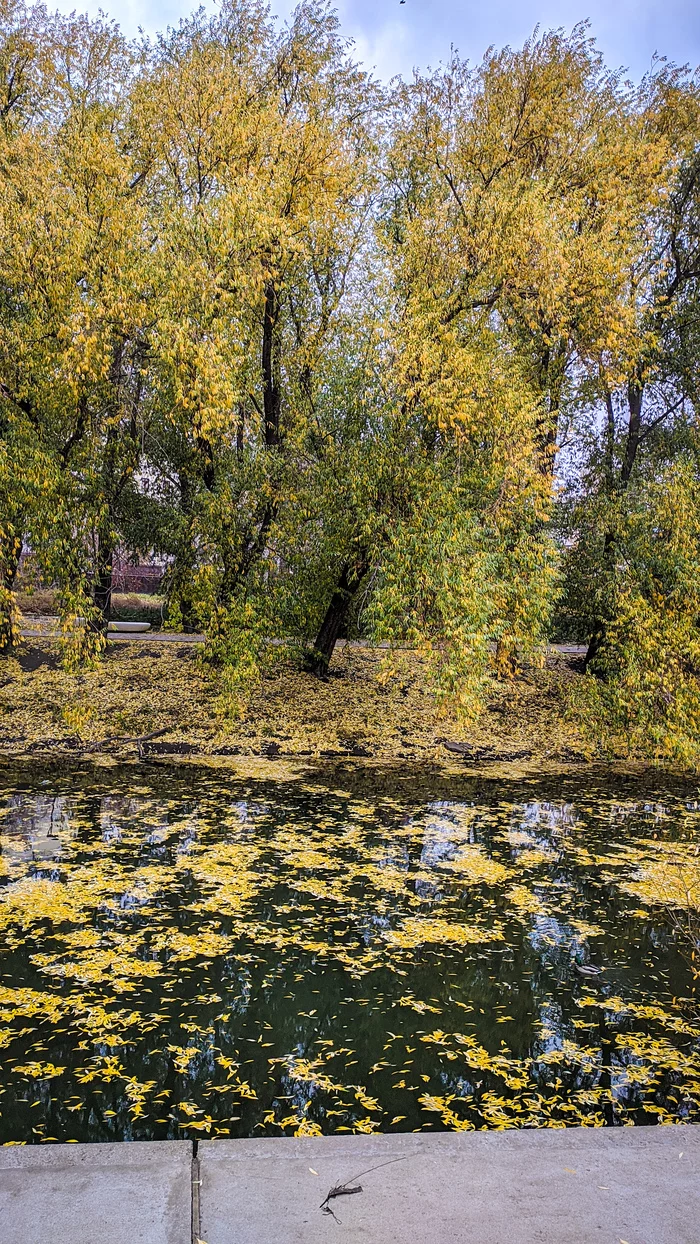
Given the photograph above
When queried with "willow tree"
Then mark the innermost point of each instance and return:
(25, 86)
(557, 132)
(510, 194)
(73, 245)
(471, 563)
(631, 518)
(259, 180)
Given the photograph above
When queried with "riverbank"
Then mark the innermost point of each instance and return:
(157, 699)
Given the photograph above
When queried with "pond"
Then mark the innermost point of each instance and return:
(201, 955)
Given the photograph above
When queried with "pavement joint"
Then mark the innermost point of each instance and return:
(195, 1196)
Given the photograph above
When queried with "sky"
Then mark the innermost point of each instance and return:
(394, 38)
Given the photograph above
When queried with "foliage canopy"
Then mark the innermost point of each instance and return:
(417, 362)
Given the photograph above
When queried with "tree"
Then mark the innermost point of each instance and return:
(260, 180)
(630, 559)
(477, 566)
(24, 90)
(73, 246)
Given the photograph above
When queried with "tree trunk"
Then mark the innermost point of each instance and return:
(506, 657)
(609, 442)
(318, 659)
(635, 395)
(272, 395)
(102, 587)
(550, 375)
(238, 562)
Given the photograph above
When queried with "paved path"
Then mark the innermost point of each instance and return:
(47, 628)
(159, 637)
(137, 1193)
(578, 1186)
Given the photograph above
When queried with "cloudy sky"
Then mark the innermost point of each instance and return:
(394, 37)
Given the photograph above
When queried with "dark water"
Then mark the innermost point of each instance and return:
(212, 958)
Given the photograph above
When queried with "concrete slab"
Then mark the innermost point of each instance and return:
(131, 1193)
(150, 637)
(573, 1186)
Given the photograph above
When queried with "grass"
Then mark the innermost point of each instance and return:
(126, 606)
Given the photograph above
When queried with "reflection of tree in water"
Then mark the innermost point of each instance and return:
(556, 818)
(686, 925)
(35, 827)
(606, 1038)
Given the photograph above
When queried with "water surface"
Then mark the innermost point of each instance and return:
(212, 958)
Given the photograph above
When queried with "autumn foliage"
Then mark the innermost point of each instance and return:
(413, 362)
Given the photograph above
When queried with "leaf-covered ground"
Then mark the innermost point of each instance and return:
(206, 956)
(143, 687)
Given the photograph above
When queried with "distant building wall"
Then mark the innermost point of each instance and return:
(144, 577)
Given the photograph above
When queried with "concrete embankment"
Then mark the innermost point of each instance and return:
(579, 1186)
